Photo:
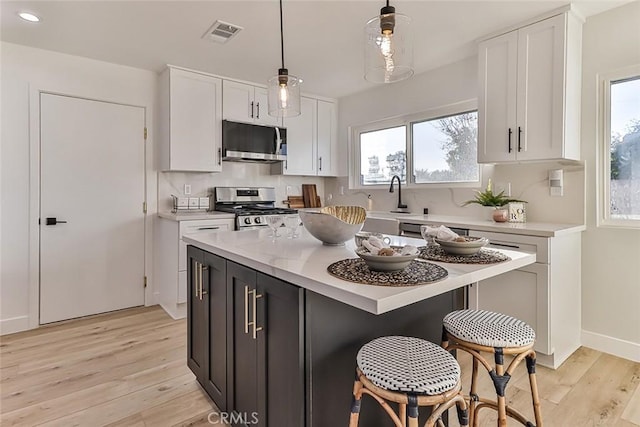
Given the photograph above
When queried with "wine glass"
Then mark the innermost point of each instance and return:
(274, 222)
(292, 222)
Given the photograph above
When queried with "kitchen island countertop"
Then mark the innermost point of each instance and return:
(303, 261)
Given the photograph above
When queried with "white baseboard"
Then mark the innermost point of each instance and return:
(615, 346)
(14, 324)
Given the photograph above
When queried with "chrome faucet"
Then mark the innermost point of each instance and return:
(401, 206)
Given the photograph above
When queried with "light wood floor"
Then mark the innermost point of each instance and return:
(129, 369)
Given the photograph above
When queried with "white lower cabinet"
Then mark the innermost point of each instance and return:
(545, 294)
(171, 259)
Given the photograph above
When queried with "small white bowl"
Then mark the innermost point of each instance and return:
(470, 247)
(386, 263)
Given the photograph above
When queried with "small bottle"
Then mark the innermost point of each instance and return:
(369, 203)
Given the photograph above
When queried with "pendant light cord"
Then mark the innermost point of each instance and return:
(282, 35)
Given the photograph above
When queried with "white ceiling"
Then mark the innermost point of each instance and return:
(323, 39)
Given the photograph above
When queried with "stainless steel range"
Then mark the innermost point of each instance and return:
(250, 204)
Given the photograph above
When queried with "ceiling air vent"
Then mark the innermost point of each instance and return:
(221, 32)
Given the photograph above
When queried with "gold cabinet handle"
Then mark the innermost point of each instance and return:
(203, 268)
(246, 309)
(256, 328)
(196, 277)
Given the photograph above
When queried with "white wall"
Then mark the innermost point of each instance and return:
(23, 69)
(447, 85)
(610, 257)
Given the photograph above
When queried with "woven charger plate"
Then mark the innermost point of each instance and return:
(484, 256)
(417, 273)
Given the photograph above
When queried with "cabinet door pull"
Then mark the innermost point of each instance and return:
(196, 284)
(519, 137)
(504, 245)
(252, 109)
(256, 328)
(219, 156)
(246, 309)
(320, 167)
(510, 132)
(257, 110)
(203, 268)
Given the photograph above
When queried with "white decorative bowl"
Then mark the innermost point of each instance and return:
(386, 263)
(470, 247)
(334, 225)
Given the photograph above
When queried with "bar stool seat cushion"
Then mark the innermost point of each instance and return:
(407, 364)
(488, 328)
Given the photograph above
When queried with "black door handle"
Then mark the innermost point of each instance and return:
(510, 132)
(519, 135)
(54, 221)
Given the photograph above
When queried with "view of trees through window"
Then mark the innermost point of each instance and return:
(444, 150)
(624, 190)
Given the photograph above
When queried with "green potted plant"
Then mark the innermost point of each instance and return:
(496, 201)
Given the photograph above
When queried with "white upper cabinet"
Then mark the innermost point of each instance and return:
(302, 140)
(191, 111)
(246, 103)
(529, 103)
(311, 140)
(327, 138)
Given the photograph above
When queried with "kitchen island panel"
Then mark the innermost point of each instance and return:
(335, 332)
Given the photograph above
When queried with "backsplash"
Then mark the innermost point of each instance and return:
(528, 182)
(233, 174)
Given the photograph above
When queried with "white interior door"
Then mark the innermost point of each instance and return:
(92, 177)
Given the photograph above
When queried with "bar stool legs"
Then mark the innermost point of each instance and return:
(476, 332)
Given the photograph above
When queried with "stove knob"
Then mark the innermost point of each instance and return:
(247, 221)
(258, 220)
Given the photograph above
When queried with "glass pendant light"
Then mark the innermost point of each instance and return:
(388, 47)
(284, 89)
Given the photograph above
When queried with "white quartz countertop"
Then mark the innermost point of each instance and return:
(303, 262)
(542, 229)
(191, 216)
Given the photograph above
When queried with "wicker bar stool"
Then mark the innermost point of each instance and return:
(476, 331)
(410, 372)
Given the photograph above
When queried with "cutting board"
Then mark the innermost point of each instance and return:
(295, 202)
(310, 196)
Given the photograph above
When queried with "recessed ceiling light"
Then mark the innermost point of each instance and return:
(28, 17)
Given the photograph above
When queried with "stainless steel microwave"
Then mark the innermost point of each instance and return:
(244, 142)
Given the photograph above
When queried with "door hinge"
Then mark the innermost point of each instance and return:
(144, 207)
(145, 134)
(145, 281)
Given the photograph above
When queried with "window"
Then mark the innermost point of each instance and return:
(436, 147)
(382, 155)
(446, 149)
(621, 149)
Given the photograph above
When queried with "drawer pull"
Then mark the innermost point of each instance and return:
(208, 228)
(504, 245)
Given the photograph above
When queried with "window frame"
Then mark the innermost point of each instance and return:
(407, 121)
(603, 169)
